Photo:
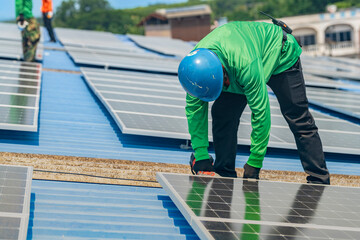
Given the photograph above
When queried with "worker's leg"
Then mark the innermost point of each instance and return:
(24, 43)
(31, 37)
(48, 26)
(226, 112)
(289, 88)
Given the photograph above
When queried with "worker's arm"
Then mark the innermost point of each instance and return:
(19, 7)
(252, 78)
(197, 116)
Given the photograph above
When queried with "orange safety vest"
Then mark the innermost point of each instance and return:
(46, 6)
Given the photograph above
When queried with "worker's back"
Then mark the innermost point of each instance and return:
(238, 44)
(46, 6)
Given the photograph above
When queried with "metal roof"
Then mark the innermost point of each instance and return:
(63, 210)
(73, 122)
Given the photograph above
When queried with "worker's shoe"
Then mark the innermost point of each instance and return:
(202, 167)
(251, 172)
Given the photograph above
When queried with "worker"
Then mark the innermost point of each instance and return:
(232, 66)
(30, 29)
(47, 14)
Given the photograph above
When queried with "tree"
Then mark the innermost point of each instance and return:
(86, 6)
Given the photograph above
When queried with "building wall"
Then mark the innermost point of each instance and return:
(161, 30)
(319, 24)
(190, 28)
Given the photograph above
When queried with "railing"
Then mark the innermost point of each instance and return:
(330, 49)
(340, 45)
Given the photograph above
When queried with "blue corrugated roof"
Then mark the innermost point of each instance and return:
(63, 210)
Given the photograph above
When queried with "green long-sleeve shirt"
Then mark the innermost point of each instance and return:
(23, 7)
(251, 53)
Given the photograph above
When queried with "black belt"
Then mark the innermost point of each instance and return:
(284, 39)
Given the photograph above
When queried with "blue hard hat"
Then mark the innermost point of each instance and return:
(201, 75)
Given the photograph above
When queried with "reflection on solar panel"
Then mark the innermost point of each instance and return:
(19, 95)
(15, 190)
(163, 45)
(228, 208)
(153, 105)
(13, 50)
(338, 100)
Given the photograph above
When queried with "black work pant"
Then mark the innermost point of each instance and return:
(289, 88)
(48, 26)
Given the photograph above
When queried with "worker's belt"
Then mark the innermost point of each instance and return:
(284, 39)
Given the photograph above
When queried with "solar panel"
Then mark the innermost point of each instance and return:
(163, 45)
(12, 49)
(344, 60)
(20, 84)
(116, 59)
(92, 39)
(229, 208)
(15, 191)
(324, 67)
(316, 81)
(11, 32)
(338, 100)
(153, 105)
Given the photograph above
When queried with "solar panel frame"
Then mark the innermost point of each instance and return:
(23, 87)
(228, 201)
(14, 173)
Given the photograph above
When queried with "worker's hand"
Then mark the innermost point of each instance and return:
(21, 19)
(21, 22)
(206, 165)
(49, 15)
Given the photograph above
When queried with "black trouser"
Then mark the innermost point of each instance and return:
(47, 23)
(289, 88)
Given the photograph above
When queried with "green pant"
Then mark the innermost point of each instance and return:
(30, 38)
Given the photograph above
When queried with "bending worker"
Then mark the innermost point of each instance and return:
(30, 29)
(232, 65)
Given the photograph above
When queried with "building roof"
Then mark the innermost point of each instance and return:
(185, 11)
(169, 13)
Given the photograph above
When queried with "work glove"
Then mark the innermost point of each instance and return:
(21, 18)
(203, 167)
(49, 15)
(21, 23)
(251, 172)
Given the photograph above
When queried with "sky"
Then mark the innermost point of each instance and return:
(7, 7)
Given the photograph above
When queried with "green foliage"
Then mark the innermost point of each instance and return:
(98, 14)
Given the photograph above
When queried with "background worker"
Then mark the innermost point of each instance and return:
(30, 29)
(232, 65)
(47, 14)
